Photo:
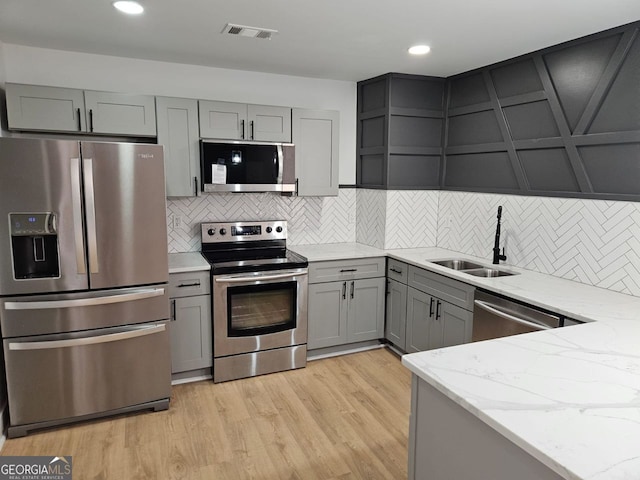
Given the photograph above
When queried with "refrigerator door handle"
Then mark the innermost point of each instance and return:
(90, 202)
(133, 332)
(85, 302)
(76, 204)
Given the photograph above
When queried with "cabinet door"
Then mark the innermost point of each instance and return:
(226, 120)
(457, 325)
(315, 134)
(191, 340)
(420, 308)
(269, 124)
(396, 318)
(178, 132)
(365, 320)
(32, 107)
(120, 114)
(327, 314)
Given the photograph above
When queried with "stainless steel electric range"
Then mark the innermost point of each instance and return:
(259, 294)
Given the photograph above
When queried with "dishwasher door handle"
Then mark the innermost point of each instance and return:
(78, 342)
(492, 309)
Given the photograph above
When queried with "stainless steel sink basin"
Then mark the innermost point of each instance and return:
(456, 264)
(488, 272)
(471, 268)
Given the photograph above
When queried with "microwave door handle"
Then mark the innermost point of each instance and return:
(279, 166)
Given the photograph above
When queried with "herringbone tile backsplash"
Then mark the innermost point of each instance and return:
(311, 219)
(595, 242)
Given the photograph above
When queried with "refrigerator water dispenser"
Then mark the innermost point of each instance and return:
(34, 244)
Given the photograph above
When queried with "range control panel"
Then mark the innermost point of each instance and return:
(217, 232)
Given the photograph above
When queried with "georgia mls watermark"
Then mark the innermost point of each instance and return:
(35, 468)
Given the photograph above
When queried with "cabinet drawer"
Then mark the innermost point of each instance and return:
(444, 288)
(189, 283)
(346, 269)
(398, 271)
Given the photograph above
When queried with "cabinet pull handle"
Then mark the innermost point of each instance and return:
(388, 285)
(79, 120)
(91, 119)
(297, 185)
(196, 284)
(348, 270)
(438, 310)
(173, 310)
(242, 133)
(195, 186)
(252, 130)
(352, 288)
(396, 271)
(431, 308)
(344, 290)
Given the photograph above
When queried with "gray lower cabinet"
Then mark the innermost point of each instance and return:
(239, 121)
(42, 108)
(345, 312)
(315, 134)
(191, 329)
(177, 120)
(439, 310)
(396, 315)
(434, 323)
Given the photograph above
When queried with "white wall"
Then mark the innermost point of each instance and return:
(100, 72)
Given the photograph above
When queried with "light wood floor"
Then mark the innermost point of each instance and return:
(339, 418)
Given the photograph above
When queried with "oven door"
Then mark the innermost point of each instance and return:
(259, 311)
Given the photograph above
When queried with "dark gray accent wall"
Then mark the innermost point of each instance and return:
(563, 121)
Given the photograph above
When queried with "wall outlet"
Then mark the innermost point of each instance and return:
(351, 218)
(177, 221)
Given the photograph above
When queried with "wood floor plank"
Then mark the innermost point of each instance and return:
(340, 418)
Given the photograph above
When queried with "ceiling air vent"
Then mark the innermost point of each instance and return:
(244, 31)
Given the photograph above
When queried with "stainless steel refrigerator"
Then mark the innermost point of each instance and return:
(84, 302)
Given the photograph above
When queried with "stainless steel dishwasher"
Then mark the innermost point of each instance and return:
(495, 316)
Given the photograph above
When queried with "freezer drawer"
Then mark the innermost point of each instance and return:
(56, 377)
(69, 312)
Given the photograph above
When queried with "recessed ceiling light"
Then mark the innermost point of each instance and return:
(419, 49)
(132, 8)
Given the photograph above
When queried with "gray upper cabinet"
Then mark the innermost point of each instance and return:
(239, 121)
(269, 124)
(41, 108)
(223, 120)
(178, 131)
(315, 134)
(120, 113)
(34, 107)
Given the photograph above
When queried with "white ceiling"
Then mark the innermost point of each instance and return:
(337, 39)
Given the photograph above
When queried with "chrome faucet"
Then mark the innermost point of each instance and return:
(496, 247)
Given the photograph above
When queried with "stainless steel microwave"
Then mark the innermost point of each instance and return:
(247, 167)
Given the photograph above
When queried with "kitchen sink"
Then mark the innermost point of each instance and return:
(488, 272)
(456, 264)
(471, 268)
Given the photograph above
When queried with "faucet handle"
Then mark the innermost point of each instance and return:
(503, 256)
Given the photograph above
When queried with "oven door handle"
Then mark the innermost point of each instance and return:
(256, 278)
(494, 310)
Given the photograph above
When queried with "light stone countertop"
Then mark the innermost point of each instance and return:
(187, 262)
(336, 251)
(570, 397)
